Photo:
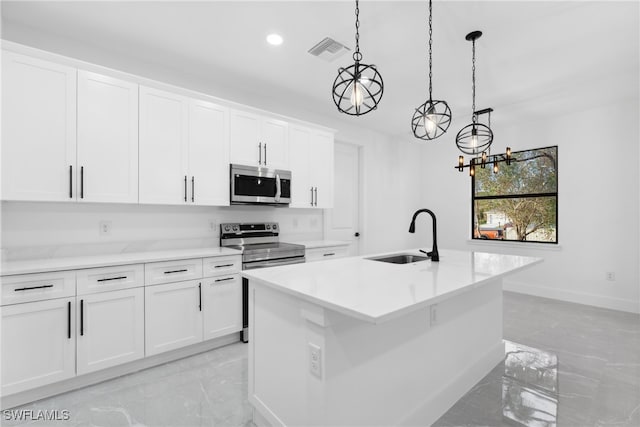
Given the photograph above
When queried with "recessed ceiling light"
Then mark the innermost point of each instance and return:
(274, 39)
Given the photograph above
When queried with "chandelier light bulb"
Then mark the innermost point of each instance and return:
(430, 124)
(474, 137)
(357, 94)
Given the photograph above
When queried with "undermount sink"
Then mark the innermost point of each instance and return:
(400, 258)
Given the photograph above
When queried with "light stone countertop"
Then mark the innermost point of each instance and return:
(313, 244)
(376, 291)
(79, 262)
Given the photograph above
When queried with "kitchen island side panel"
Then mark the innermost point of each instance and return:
(409, 370)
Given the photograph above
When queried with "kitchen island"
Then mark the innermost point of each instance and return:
(358, 341)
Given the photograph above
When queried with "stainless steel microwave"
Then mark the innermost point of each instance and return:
(256, 185)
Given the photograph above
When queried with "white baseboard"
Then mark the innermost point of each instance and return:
(601, 301)
(80, 381)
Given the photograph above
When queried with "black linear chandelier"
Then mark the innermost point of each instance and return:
(358, 88)
(475, 137)
(431, 119)
(485, 158)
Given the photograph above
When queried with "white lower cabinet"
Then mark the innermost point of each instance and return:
(38, 344)
(173, 316)
(324, 253)
(222, 305)
(110, 329)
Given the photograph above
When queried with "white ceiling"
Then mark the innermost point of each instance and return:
(535, 58)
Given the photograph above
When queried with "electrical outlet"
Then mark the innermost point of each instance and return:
(315, 360)
(433, 314)
(212, 225)
(105, 228)
(611, 276)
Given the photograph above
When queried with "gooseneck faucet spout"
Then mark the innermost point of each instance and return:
(412, 229)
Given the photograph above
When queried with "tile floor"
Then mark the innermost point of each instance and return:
(566, 365)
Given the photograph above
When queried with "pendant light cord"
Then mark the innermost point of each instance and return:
(473, 81)
(357, 56)
(430, 50)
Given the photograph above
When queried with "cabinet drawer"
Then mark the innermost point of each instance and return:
(103, 279)
(37, 287)
(172, 271)
(330, 252)
(216, 266)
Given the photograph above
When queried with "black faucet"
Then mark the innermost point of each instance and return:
(412, 229)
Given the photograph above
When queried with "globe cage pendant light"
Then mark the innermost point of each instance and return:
(431, 119)
(475, 137)
(358, 88)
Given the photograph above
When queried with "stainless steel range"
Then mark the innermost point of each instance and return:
(261, 247)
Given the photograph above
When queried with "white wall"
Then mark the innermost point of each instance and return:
(391, 171)
(598, 205)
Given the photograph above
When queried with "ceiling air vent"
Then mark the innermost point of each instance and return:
(328, 49)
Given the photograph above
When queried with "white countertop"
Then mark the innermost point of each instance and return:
(312, 244)
(377, 291)
(77, 262)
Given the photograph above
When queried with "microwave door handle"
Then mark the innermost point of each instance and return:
(278, 189)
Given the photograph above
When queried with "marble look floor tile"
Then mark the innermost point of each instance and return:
(598, 379)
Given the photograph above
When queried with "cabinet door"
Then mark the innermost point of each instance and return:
(208, 154)
(173, 316)
(38, 129)
(299, 156)
(222, 305)
(38, 344)
(321, 167)
(110, 329)
(275, 144)
(163, 147)
(244, 140)
(107, 139)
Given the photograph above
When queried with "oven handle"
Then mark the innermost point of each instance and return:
(272, 263)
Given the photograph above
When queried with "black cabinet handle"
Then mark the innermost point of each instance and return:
(185, 188)
(193, 189)
(311, 196)
(82, 182)
(224, 280)
(265, 153)
(176, 271)
(70, 181)
(223, 265)
(81, 317)
(69, 320)
(200, 296)
(329, 254)
(260, 153)
(112, 278)
(33, 287)
(357, 234)
(316, 191)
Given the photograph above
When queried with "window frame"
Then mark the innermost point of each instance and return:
(516, 196)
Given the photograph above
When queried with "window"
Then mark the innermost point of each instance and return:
(520, 202)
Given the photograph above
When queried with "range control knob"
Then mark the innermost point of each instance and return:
(227, 228)
(275, 226)
(268, 226)
(235, 228)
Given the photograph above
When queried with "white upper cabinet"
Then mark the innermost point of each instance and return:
(257, 140)
(208, 154)
(321, 165)
(163, 147)
(311, 155)
(107, 166)
(184, 157)
(38, 129)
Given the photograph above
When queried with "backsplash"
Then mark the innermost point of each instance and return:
(33, 230)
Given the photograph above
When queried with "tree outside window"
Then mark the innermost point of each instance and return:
(520, 201)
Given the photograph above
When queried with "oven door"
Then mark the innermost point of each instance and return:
(245, 286)
(251, 184)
